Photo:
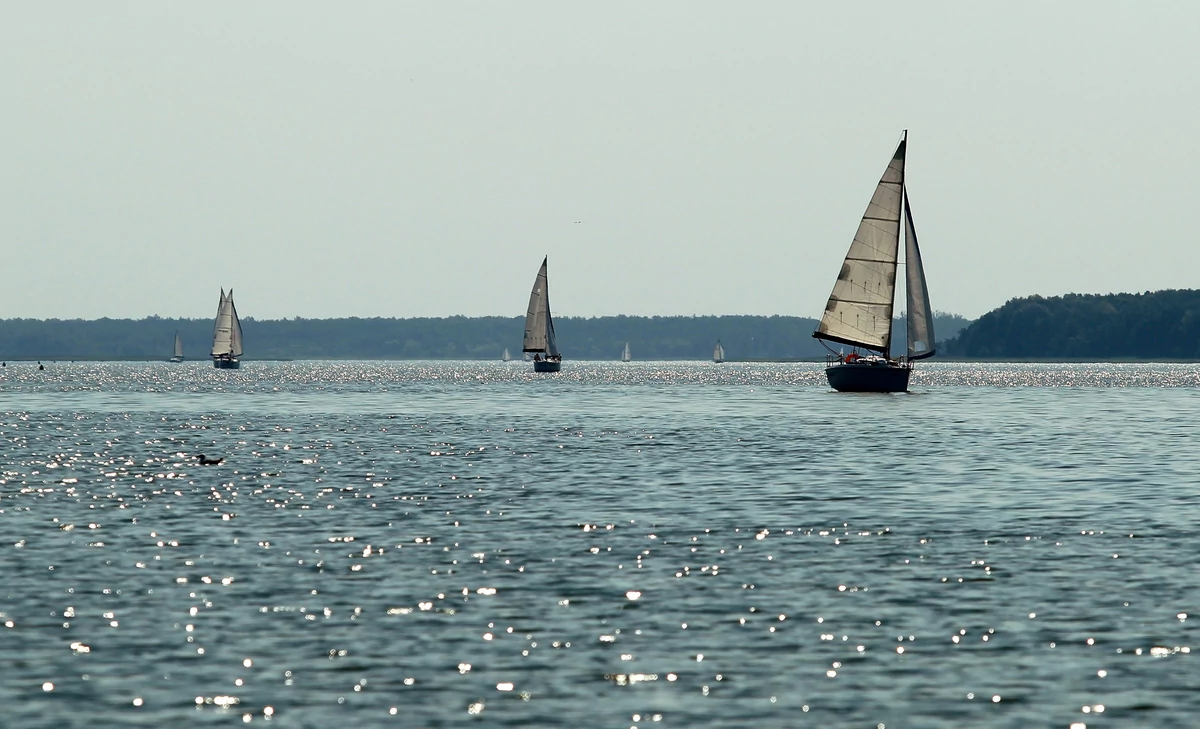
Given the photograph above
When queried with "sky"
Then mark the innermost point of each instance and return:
(676, 157)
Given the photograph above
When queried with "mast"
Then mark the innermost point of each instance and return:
(859, 310)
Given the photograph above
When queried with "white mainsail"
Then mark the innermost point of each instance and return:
(178, 347)
(920, 313)
(625, 356)
(859, 312)
(222, 328)
(539, 325)
(718, 352)
(505, 357)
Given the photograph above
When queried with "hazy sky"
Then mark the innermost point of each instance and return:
(419, 158)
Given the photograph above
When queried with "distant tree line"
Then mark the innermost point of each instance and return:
(1151, 325)
(456, 337)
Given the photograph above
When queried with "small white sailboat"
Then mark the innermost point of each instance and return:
(718, 353)
(625, 356)
(227, 335)
(539, 326)
(506, 357)
(178, 351)
(859, 312)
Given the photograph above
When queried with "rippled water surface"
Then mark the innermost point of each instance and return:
(652, 545)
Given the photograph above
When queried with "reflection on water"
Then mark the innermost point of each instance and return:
(651, 544)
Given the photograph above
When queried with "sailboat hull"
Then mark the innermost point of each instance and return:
(175, 359)
(227, 364)
(868, 376)
(545, 366)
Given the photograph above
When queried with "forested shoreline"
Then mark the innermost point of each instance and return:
(456, 337)
(1158, 325)
(1161, 325)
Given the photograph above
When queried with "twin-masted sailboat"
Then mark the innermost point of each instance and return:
(539, 327)
(859, 312)
(227, 335)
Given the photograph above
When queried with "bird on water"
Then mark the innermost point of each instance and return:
(205, 461)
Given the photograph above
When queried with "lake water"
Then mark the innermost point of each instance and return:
(646, 545)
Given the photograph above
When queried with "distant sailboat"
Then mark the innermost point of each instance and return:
(227, 335)
(718, 353)
(505, 357)
(539, 326)
(859, 312)
(625, 356)
(178, 355)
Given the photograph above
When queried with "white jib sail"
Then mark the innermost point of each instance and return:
(537, 318)
(920, 313)
(859, 311)
(551, 340)
(222, 327)
(235, 334)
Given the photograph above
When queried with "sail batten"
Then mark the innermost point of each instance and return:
(860, 307)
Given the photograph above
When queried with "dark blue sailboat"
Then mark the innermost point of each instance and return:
(859, 311)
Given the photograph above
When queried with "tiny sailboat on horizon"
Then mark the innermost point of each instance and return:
(177, 355)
